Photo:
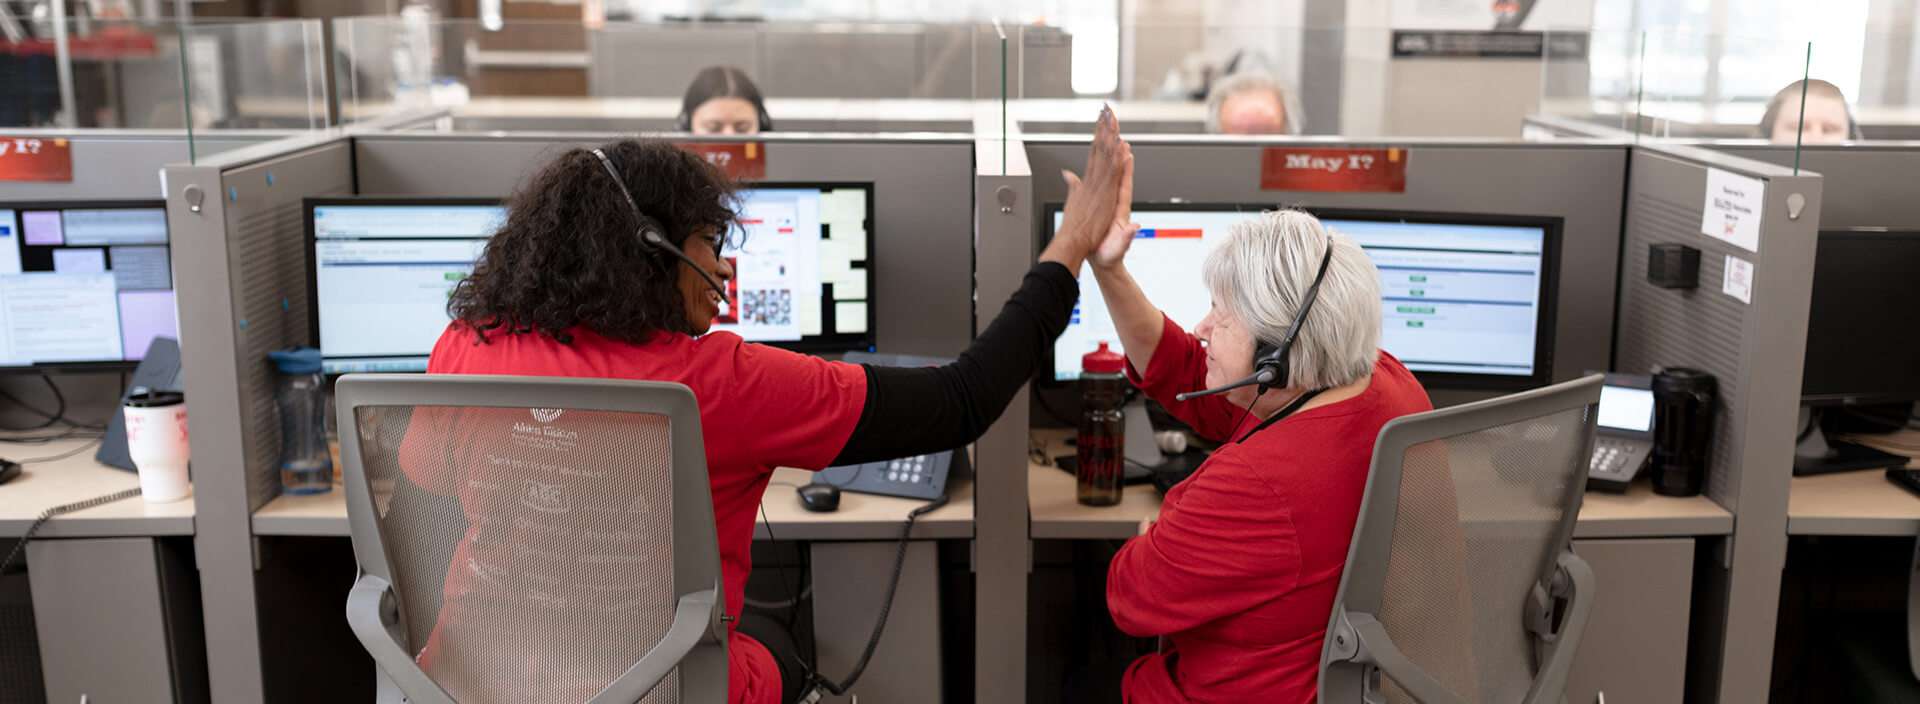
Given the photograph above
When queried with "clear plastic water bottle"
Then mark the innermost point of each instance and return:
(306, 465)
(1101, 458)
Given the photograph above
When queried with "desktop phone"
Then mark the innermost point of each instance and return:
(1623, 437)
(918, 477)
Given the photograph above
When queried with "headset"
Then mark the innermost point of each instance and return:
(652, 234)
(1270, 368)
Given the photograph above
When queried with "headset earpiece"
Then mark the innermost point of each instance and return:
(1269, 358)
(653, 235)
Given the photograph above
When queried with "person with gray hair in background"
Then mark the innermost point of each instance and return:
(1240, 570)
(1253, 102)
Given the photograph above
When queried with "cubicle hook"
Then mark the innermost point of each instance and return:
(1007, 198)
(194, 196)
(1796, 202)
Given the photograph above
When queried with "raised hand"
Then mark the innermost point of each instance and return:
(1092, 201)
(1112, 249)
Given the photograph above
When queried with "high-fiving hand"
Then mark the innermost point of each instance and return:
(1095, 200)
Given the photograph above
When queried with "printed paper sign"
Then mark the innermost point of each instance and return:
(741, 160)
(1732, 210)
(35, 159)
(1738, 281)
(1333, 170)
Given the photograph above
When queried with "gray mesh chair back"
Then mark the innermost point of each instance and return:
(532, 539)
(1460, 585)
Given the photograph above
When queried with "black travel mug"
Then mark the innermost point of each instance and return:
(1684, 403)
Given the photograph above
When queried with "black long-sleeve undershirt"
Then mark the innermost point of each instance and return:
(916, 411)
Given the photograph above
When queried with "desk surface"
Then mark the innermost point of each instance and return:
(44, 485)
(1638, 513)
(861, 517)
(1851, 503)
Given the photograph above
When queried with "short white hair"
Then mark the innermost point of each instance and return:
(1261, 273)
(1250, 82)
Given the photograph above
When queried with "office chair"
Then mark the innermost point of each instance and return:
(1460, 585)
(576, 519)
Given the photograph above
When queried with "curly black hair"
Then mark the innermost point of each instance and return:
(568, 255)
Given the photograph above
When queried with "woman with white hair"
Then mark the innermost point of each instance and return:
(1253, 102)
(1239, 572)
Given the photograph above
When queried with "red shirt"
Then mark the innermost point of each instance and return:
(760, 408)
(1240, 571)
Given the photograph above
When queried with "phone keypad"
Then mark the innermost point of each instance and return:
(909, 470)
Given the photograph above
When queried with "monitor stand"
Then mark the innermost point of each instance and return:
(1816, 454)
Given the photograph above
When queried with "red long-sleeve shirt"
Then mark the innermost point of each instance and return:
(1240, 571)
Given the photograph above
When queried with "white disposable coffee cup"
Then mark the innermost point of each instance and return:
(157, 443)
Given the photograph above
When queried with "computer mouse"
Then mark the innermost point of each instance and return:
(819, 498)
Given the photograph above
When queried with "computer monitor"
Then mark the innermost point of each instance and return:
(1861, 341)
(1467, 300)
(83, 284)
(382, 268)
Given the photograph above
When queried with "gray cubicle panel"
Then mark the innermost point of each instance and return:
(242, 288)
(923, 209)
(1577, 181)
(1755, 350)
(1865, 184)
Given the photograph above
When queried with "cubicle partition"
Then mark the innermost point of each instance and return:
(1754, 346)
(1867, 184)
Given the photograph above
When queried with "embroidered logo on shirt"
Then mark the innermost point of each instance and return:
(547, 415)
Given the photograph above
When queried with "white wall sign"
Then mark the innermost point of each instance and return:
(1732, 210)
(1738, 280)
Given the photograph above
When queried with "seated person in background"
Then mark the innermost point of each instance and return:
(1252, 103)
(1239, 573)
(1828, 119)
(722, 100)
(566, 288)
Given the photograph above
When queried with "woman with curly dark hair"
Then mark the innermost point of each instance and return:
(567, 288)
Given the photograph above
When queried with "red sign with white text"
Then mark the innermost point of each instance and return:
(1333, 170)
(745, 161)
(35, 159)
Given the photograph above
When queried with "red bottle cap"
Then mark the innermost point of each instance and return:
(1103, 361)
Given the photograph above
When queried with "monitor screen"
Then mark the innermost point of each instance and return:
(383, 268)
(83, 284)
(1861, 340)
(1465, 299)
(802, 259)
(1626, 408)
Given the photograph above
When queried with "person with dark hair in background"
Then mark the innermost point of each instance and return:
(722, 100)
(1828, 118)
(585, 280)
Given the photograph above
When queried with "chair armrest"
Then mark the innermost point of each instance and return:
(366, 615)
(1377, 647)
(692, 619)
(1549, 686)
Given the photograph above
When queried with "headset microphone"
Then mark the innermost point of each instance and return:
(1264, 377)
(651, 233)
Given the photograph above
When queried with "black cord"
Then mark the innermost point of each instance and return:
(839, 689)
(49, 514)
(53, 418)
(54, 458)
(57, 417)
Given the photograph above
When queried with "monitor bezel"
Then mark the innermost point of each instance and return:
(839, 342)
(96, 204)
(1843, 399)
(1545, 324)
